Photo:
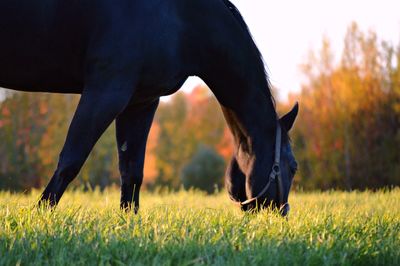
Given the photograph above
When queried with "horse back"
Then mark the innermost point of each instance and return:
(43, 44)
(49, 45)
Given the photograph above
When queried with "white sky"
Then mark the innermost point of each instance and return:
(285, 30)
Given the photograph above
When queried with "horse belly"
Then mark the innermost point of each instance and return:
(45, 73)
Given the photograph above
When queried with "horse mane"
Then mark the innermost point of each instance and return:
(261, 62)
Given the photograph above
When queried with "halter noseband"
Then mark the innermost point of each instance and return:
(275, 175)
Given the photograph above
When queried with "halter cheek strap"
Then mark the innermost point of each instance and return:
(275, 174)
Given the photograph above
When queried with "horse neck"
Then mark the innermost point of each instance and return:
(246, 101)
(230, 63)
(239, 82)
(253, 126)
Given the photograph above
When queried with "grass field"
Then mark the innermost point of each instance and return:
(189, 228)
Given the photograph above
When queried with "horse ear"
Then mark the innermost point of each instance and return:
(287, 120)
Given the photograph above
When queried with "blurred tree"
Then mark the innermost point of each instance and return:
(204, 171)
(172, 150)
(185, 122)
(346, 133)
(26, 137)
(101, 168)
(150, 166)
(33, 127)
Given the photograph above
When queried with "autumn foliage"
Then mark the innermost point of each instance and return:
(348, 132)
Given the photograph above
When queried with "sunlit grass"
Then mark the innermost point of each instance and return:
(188, 228)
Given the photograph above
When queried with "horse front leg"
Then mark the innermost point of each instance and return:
(132, 127)
(97, 108)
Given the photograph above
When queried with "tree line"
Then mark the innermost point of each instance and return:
(347, 135)
(348, 132)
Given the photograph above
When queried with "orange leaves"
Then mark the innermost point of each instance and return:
(5, 111)
(150, 167)
(186, 123)
(43, 108)
(225, 146)
(347, 112)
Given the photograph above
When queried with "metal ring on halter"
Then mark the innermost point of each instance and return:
(276, 170)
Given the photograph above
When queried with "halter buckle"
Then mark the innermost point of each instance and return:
(276, 168)
(275, 171)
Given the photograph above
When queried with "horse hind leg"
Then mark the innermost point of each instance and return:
(133, 126)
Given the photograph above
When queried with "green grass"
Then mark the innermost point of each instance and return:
(189, 228)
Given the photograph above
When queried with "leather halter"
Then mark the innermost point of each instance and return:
(274, 176)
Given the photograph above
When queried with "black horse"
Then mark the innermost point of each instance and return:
(121, 56)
